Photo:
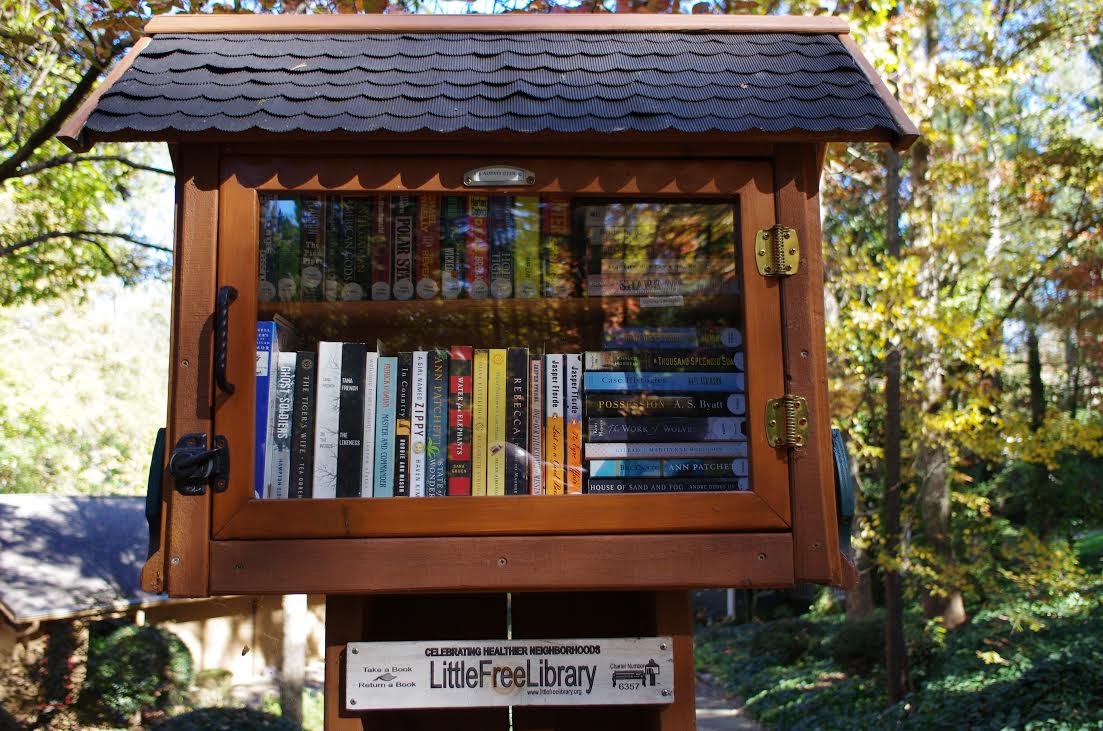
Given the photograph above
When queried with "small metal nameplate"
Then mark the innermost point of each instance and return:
(484, 673)
(498, 175)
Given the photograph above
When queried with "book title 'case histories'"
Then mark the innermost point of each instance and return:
(496, 309)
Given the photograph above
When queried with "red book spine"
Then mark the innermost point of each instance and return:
(459, 420)
(478, 248)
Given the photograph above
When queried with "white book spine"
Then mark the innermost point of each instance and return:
(418, 415)
(326, 425)
(536, 427)
(367, 468)
(660, 450)
(281, 441)
(270, 427)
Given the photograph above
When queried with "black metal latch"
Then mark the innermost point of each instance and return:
(194, 467)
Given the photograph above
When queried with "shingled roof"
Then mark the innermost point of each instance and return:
(195, 76)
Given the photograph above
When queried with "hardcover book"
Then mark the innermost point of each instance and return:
(419, 421)
(626, 468)
(436, 429)
(555, 433)
(662, 381)
(371, 399)
(477, 271)
(679, 338)
(313, 250)
(266, 248)
(288, 243)
(272, 338)
(526, 247)
(536, 426)
(659, 360)
(459, 419)
(381, 251)
(664, 450)
(355, 258)
(334, 247)
(302, 427)
(496, 423)
(664, 428)
(350, 420)
(403, 214)
(453, 228)
(500, 217)
(572, 369)
(386, 391)
(428, 246)
(479, 384)
(278, 466)
(629, 485)
(555, 247)
(706, 467)
(517, 422)
(326, 424)
(402, 425)
(652, 404)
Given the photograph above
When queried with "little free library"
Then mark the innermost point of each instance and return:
(503, 332)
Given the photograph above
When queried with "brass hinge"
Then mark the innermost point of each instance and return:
(787, 421)
(777, 251)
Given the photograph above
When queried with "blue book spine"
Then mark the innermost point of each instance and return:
(626, 468)
(266, 336)
(386, 397)
(662, 381)
(436, 427)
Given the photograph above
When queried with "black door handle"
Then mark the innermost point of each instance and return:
(226, 296)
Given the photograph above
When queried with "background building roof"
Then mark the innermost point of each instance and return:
(685, 76)
(64, 556)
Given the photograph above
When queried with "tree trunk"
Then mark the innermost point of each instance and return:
(859, 600)
(293, 669)
(934, 464)
(1034, 374)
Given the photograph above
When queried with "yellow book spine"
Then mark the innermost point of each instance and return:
(478, 422)
(496, 423)
(572, 364)
(526, 247)
(554, 437)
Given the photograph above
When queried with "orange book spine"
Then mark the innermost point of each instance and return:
(555, 432)
(572, 366)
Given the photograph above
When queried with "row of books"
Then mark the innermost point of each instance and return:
(403, 247)
(349, 422)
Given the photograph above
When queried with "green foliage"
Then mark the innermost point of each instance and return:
(227, 719)
(136, 670)
(1090, 550)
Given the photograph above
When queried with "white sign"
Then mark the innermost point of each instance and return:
(481, 673)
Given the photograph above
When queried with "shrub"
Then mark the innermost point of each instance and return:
(227, 719)
(786, 640)
(136, 670)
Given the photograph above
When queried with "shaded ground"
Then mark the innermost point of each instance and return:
(719, 710)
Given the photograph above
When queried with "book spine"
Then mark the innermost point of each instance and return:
(270, 423)
(555, 437)
(612, 285)
(355, 232)
(664, 429)
(266, 249)
(625, 468)
(436, 429)
(479, 373)
(334, 248)
(662, 381)
(459, 420)
(313, 262)
(556, 260)
(289, 243)
(350, 420)
(386, 390)
(403, 215)
(526, 247)
(265, 337)
(302, 427)
(667, 450)
(622, 485)
(501, 246)
(517, 422)
(453, 229)
(477, 271)
(371, 399)
(280, 486)
(326, 424)
(678, 338)
(649, 404)
(572, 369)
(637, 360)
(496, 423)
(419, 422)
(536, 426)
(428, 246)
(402, 425)
(381, 250)
(738, 467)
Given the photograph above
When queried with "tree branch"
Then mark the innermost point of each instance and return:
(73, 158)
(79, 236)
